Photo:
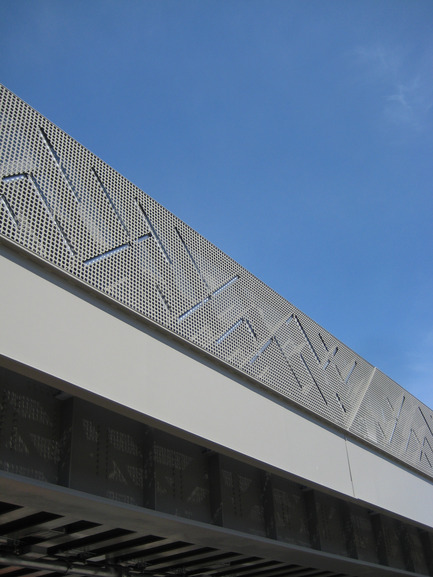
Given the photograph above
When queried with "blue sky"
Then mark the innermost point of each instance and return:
(296, 136)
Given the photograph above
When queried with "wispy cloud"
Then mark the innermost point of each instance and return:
(403, 83)
(378, 61)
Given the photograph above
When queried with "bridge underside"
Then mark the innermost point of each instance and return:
(84, 536)
(104, 493)
(165, 413)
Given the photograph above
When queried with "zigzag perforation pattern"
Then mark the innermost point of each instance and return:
(62, 203)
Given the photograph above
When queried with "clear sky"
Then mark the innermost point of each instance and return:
(297, 136)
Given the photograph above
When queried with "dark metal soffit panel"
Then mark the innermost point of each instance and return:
(47, 530)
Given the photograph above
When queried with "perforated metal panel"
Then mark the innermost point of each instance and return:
(66, 206)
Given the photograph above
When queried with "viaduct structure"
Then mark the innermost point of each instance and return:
(165, 413)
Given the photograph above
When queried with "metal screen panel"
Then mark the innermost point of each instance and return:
(62, 203)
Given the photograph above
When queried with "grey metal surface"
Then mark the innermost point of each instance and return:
(68, 532)
(60, 544)
(178, 491)
(62, 203)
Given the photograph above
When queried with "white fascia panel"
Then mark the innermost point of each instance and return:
(382, 483)
(52, 329)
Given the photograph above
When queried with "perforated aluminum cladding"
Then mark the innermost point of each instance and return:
(66, 206)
